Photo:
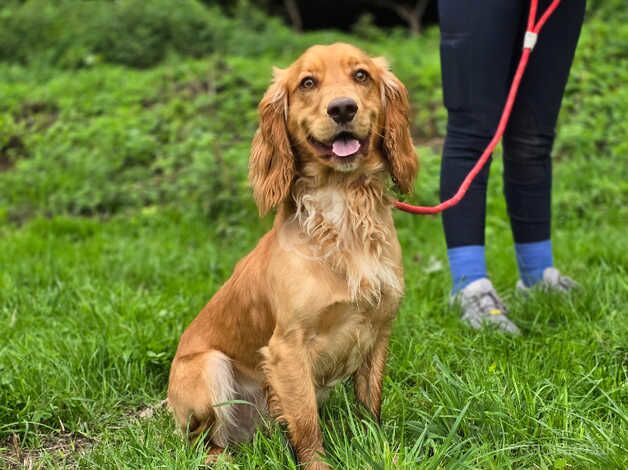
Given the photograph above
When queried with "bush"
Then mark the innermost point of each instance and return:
(130, 32)
(123, 139)
(140, 33)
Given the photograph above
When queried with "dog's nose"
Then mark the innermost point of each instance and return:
(342, 109)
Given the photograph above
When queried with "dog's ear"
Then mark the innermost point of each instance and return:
(397, 140)
(271, 164)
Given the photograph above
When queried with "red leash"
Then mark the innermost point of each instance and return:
(531, 34)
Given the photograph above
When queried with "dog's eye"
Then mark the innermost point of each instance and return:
(307, 83)
(360, 75)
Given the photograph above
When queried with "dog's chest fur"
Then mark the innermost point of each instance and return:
(352, 232)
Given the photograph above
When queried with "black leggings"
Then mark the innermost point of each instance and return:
(481, 42)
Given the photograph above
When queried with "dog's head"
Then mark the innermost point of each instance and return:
(338, 110)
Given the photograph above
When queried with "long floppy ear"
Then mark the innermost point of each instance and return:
(398, 147)
(271, 164)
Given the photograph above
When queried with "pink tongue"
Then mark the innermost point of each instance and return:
(344, 147)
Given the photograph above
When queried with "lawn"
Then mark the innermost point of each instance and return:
(124, 206)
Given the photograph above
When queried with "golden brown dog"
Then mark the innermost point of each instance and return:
(313, 303)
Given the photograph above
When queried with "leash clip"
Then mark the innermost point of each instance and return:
(529, 40)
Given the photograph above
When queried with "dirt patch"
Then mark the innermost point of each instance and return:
(5, 163)
(13, 149)
(150, 410)
(62, 449)
(37, 114)
(193, 88)
(187, 89)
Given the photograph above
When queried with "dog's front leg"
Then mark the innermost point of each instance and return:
(292, 398)
(368, 378)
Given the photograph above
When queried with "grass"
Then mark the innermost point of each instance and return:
(92, 311)
(123, 207)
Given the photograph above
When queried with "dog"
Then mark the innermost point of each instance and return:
(313, 303)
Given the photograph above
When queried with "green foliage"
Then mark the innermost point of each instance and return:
(141, 33)
(136, 33)
(179, 133)
(124, 206)
(129, 140)
(593, 126)
(91, 312)
(74, 34)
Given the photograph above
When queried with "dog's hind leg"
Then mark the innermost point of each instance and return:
(200, 389)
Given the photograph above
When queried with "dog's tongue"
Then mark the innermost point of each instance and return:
(345, 146)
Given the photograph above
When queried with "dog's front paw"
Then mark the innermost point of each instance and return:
(318, 466)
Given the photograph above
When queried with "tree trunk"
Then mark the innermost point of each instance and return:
(421, 6)
(292, 8)
(413, 15)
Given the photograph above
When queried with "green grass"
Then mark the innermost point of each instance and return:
(92, 311)
(123, 207)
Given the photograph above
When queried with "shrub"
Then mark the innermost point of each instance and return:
(130, 32)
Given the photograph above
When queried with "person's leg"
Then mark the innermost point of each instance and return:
(478, 39)
(529, 138)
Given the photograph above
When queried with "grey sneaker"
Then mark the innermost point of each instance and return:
(481, 306)
(552, 281)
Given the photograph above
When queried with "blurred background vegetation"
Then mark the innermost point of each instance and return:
(108, 105)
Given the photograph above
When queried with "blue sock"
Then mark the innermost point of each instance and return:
(533, 258)
(467, 264)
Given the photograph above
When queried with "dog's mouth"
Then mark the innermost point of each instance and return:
(343, 145)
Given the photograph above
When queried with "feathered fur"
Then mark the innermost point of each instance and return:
(313, 303)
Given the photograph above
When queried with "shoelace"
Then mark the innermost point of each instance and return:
(565, 283)
(494, 305)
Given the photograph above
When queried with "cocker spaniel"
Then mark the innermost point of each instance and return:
(313, 303)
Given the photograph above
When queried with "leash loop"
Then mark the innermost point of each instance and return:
(529, 41)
